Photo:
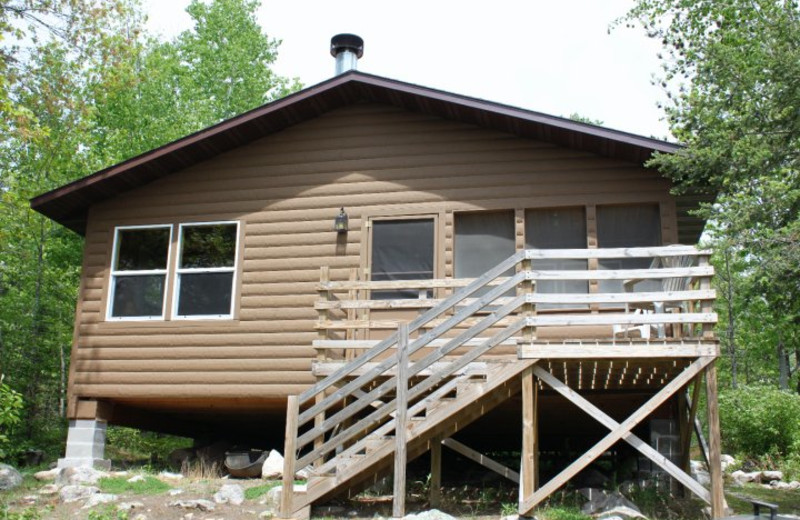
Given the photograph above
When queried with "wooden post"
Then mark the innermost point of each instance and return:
(714, 463)
(399, 502)
(436, 472)
(292, 411)
(323, 315)
(528, 480)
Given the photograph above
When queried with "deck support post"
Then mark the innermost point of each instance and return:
(714, 463)
(529, 474)
(400, 455)
(435, 493)
(688, 411)
(292, 412)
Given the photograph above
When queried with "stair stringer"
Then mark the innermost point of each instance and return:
(470, 404)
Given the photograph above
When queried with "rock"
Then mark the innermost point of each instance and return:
(726, 461)
(301, 474)
(700, 475)
(50, 474)
(777, 484)
(119, 473)
(175, 492)
(170, 476)
(794, 485)
(620, 512)
(79, 475)
(433, 514)
(75, 492)
(510, 517)
(201, 504)
(771, 476)
(230, 494)
(140, 516)
(99, 498)
(129, 506)
(600, 501)
(273, 497)
(273, 466)
(263, 515)
(136, 478)
(742, 477)
(9, 477)
(49, 489)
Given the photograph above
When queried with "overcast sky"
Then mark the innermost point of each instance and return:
(555, 57)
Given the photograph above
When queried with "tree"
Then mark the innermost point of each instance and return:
(92, 90)
(730, 68)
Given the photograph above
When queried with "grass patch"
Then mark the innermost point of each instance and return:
(788, 501)
(147, 486)
(259, 491)
(562, 513)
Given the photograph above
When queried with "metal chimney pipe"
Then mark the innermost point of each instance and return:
(346, 48)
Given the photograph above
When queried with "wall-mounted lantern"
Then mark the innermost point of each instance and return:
(340, 224)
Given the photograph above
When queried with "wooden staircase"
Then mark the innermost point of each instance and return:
(441, 370)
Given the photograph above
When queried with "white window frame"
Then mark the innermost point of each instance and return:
(179, 271)
(116, 274)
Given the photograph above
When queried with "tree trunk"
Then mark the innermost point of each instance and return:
(783, 364)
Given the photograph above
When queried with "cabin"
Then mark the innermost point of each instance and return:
(367, 270)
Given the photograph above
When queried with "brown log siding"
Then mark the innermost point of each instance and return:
(286, 189)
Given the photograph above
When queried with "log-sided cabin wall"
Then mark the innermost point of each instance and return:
(285, 190)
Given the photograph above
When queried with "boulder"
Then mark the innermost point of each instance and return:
(99, 498)
(49, 474)
(273, 466)
(135, 478)
(201, 504)
(301, 474)
(620, 513)
(128, 506)
(9, 477)
(726, 461)
(49, 489)
(771, 476)
(742, 477)
(601, 501)
(273, 497)
(169, 476)
(230, 494)
(75, 492)
(433, 514)
(79, 475)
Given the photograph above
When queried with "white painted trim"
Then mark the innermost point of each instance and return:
(179, 271)
(115, 273)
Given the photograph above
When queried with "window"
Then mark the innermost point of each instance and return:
(557, 228)
(138, 272)
(203, 279)
(206, 265)
(402, 249)
(628, 226)
(482, 241)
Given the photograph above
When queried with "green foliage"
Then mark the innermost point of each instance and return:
(562, 513)
(130, 444)
(258, 491)
(30, 513)
(759, 420)
(118, 485)
(10, 408)
(108, 513)
(729, 71)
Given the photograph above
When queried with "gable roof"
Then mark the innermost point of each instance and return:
(70, 203)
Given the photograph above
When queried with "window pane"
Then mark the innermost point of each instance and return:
(628, 226)
(208, 246)
(138, 296)
(205, 294)
(483, 240)
(557, 228)
(402, 250)
(142, 249)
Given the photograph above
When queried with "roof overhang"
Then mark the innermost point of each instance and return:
(69, 204)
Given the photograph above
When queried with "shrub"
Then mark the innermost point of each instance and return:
(760, 420)
(10, 409)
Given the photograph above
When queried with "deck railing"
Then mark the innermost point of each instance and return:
(657, 294)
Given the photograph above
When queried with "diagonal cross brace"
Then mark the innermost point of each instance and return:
(618, 431)
(630, 438)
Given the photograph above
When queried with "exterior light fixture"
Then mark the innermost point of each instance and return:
(340, 224)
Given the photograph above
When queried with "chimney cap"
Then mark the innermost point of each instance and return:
(347, 42)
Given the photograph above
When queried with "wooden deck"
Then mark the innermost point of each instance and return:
(397, 377)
